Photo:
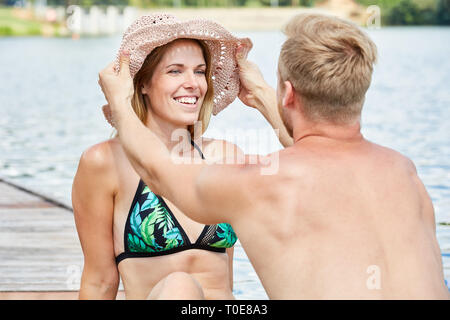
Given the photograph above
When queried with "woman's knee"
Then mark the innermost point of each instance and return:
(177, 286)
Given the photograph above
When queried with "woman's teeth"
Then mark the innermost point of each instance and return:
(186, 100)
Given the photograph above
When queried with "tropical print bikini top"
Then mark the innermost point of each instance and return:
(152, 230)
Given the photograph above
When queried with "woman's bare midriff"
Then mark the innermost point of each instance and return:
(210, 269)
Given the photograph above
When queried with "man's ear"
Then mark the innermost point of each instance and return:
(288, 100)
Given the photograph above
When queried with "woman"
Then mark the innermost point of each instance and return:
(182, 72)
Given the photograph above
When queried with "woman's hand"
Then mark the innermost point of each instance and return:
(116, 86)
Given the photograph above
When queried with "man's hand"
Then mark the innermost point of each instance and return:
(117, 87)
(253, 85)
(108, 115)
(255, 92)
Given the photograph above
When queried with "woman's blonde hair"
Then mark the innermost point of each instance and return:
(329, 62)
(146, 72)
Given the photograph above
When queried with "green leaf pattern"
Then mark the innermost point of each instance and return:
(157, 220)
(135, 244)
(143, 239)
(160, 219)
(226, 235)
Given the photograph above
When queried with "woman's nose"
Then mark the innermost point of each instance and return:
(190, 80)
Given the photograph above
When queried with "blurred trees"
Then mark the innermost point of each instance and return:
(412, 12)
(290, 3)
(405, 12)
(393, 12)
(443, 12)
(170, 3)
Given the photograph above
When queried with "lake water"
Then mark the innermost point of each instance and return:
(50, 113)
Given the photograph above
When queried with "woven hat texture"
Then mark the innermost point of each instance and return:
(151, 31)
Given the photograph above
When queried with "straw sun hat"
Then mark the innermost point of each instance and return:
(151, 31)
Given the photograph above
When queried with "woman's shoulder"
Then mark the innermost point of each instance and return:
(101, 157)
(96, 173)
(99, 154)
(220, 148)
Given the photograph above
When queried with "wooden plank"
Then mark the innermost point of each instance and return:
(39, 247)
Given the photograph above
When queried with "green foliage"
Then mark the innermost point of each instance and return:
(393, 12)
(88, 3)
(307, 3)
(182, 3)
(6, 31)
(443, 12)
(412, 12)
(10, 25)
(281, 3)
(287, 3)
(405, 12)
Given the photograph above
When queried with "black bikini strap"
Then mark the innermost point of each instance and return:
(198, 149)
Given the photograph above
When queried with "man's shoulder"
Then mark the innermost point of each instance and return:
(395, 158)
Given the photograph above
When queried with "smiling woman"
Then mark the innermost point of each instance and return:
(126, 229)
(179, 71)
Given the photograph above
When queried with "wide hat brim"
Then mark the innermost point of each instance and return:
(151, 31)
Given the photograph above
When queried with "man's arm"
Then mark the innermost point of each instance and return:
(268, 107)
(207, 193)
(256, 93)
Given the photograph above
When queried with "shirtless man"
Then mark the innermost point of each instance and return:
(342, 217)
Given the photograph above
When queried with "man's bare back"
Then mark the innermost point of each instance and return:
(344, 219)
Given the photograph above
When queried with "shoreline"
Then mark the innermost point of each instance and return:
(23, 22)
(256, 19)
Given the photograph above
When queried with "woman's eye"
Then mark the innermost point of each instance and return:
(200, 71)
(174, 71)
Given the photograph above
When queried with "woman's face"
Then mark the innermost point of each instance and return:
(178, 85)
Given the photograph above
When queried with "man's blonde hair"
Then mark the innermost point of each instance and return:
(329, 62)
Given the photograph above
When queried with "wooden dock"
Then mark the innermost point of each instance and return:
(40, 254)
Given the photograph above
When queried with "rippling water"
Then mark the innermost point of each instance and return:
(50, 112)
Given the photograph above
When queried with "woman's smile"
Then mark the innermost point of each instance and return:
(178, 86)
(189, 102)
